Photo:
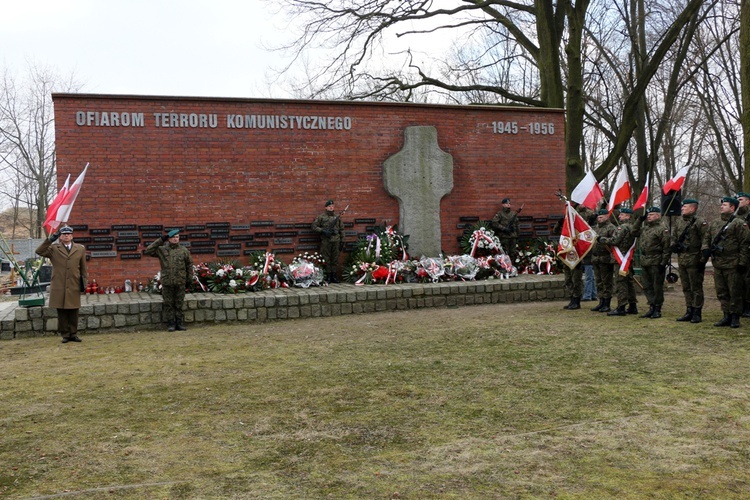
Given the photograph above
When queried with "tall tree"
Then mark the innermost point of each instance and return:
(27, 141)
(744, 49)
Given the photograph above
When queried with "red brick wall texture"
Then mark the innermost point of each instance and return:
(251, 174)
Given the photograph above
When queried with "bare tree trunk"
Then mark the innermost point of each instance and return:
(745, 85)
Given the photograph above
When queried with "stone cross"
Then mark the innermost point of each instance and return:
(419, 176)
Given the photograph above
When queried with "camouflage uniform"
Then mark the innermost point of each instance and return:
(730, 258)
(690, 262)
(744, 213)
(654, 242)
(604, 266)
(176, 275)
(505, 226)
(623, 238)
(331, 230)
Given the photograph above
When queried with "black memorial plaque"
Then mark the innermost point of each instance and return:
(302, 225)
(350, 234)
(104, 239)
(462, 225)
(99, 247)
(195, 227)
(85, 239)
(241, 237)
(127, 248)
(128, 240)
(240, 227)
(265, 234)
(285, 234)
(256, 243)
(262, 223)
(370, 229)
(525, 234)
(79, 227)
(216, 225)
(306, 232)
(228, 253)
(151, 227)
(229, 246)
(525, 218)
(97, 255)
(208, 243)
(313, 239)
(150, 236)
(195, 236)
(129, 256)
(202, 250)
(282, 241)
(364, 221)
(284, 226)
(283, 250)
(124, 227)
(307, 247)
(98, 231)
(127, 234)
(468, 218)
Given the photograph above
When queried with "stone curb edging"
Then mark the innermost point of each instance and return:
(127, 311)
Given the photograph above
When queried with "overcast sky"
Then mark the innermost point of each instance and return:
(147, 47)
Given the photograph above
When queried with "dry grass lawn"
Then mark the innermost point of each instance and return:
(500, 401)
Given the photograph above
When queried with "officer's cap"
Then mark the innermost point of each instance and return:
(329, 203)
(654, 210)
(689, 201)
(730, 200)
(66, 230)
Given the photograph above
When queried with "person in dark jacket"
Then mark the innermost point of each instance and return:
(68, 276)
(176, 276)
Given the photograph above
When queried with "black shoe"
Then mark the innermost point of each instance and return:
(606, 306)
(170, 327)
(650, 313)
(620, 311)
(567, 306)
(697, 318)
(575, 303)
(657, 312)
(599, 306)
(632, 309)
(74, 338)
(735, 321)
(688, 316)
(180, 327)
(725, 321)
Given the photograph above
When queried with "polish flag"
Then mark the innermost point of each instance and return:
(676, 182)
(63, 212)
(626, 260)
(50, 222)
(587, 192)
(576, 240)
(621, 192)
(643, 198)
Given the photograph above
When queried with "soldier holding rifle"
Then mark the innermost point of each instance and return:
(331, 230)
(727, 243)
(505, 225)
(687, 238)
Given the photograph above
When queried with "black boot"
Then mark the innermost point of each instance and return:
(632, 309)
(170, 326)
(606, 307)
(180, 327)
(598, 306)
(567, 306)
(697, 318)
(657, 312)
(735, 321)
(620, 311)
(725, 321)
(575, 303)
(650, 313)
(688, 316)
(746, 310)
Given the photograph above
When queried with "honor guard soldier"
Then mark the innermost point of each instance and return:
(654, 242)
(176, 276)
(603, 261)
(687, 238)
(331, 231)
(505, 226)
(623, 238)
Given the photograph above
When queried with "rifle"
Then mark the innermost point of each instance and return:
(715, 247)
(680, 246)
(328, 231)
(508, 228)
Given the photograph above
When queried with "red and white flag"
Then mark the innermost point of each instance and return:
(587, 192)
(676, 182)
(50, 222)
(621, 191)
(625, 261)
(643, 198)
(576, 240)
(63, 211)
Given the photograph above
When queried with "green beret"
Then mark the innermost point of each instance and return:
(505, 200)
(329, 203)
(602, 211)
(173, 233)
(742, 194)
(688, 201)
(626, 210)
(654, 210)
(731, 201)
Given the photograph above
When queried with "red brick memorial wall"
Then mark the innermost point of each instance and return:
(238, 175)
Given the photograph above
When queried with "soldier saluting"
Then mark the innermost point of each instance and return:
(331, 230)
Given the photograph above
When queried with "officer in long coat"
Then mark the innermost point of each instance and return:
(176, 276)
(727, 242)
(654, 242)
(331, 231)
(687, 238)
(603, 261)
(68, 276)
(505, 225)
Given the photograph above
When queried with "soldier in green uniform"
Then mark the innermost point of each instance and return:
(603, 261)
(505, 226)
(623, 238)
(744, 212)
(687, 238)
(176, 276)
(654, 242)
(727, 242)
(574, 277)
(331, 229)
